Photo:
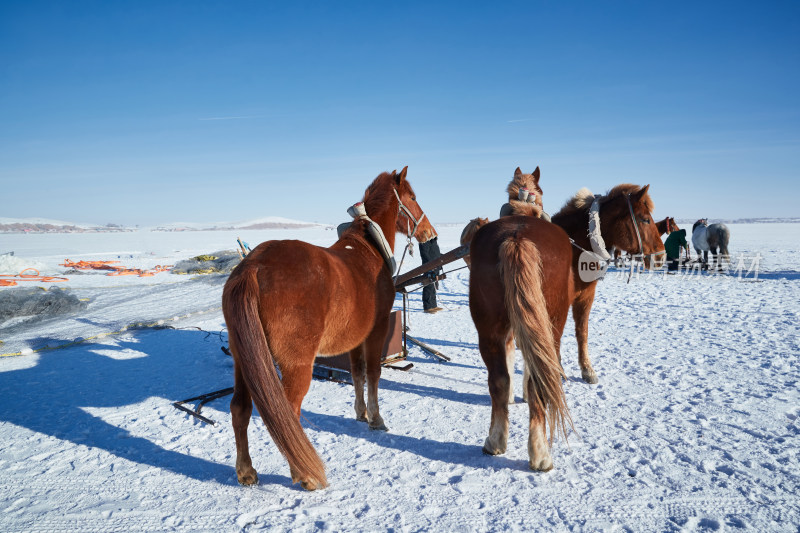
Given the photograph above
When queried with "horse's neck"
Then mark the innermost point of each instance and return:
(576, 225)
(388, 222)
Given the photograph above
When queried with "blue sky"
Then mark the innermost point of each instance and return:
(154, 112)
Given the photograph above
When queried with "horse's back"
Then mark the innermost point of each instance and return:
(551, 241)
(307, 290)
(555, 256)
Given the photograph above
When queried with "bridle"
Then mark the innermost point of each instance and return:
(403, 210)
(638, 234)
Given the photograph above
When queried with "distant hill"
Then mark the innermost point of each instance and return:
(43, 225)
(260, 223)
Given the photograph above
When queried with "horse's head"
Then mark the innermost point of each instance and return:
(472, 228)
(412, 220)
(671, 225)
(701, 222)
(525, 194)
(629, 213)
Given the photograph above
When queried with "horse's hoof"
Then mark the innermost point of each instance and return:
(362, 418)
(544, 464)
(589, 376)
(490, 449)
(379, 427)
(249, 478)
(312, 485)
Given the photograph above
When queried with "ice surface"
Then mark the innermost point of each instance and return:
(695, 424)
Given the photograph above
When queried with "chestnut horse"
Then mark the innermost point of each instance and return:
(288, 301)
(525, 276)
(667, 226)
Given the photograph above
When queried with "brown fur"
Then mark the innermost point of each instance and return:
(521, 271)
(469, 231)
(288, 301)
(504, 298)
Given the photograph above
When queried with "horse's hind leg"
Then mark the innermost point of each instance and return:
(373, 349)
(358, 373)
(241, 409)
(539, 457)
(510, 357)
(296, 382)
(494, 355)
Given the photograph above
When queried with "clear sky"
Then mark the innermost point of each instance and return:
(153, 112)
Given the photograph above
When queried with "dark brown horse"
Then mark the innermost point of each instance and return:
(289, 301)
(525, 276)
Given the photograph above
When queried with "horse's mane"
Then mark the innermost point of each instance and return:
(474, 225)
(379, 194)
(583, 199)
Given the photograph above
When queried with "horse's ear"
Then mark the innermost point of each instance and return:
(400, 177)
(518, 172)
(641, 193)
(536, 174)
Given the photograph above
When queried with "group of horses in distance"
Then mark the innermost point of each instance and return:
(288, 302)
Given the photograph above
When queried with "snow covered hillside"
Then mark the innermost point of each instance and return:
(694, 426)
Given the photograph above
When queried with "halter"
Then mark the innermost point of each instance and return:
(402, 209)
(639, 235)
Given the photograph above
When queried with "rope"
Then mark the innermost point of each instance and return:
(115, 270)
(22, 276)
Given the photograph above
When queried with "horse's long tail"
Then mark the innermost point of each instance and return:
(252, 354)
(521, 271)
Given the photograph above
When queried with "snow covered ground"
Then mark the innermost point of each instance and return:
(694, 426)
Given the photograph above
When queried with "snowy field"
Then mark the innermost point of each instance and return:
(694, 426)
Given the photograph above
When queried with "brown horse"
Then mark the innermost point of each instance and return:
(525, 276)
(288, 301)
(667, 226)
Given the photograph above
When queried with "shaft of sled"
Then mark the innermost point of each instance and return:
(428, 349)
(449, 257)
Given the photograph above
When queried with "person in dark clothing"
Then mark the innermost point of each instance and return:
(675, 241)
(428, 251)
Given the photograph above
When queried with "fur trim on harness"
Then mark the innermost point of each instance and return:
(595, 238)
